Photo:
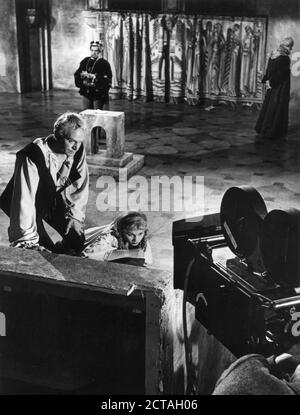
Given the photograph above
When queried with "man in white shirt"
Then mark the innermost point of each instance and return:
(50, 183)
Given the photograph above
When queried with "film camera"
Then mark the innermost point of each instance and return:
(241, 270)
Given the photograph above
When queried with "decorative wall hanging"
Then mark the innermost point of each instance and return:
(170, 57)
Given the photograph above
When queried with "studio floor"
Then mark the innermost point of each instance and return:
(176, 140)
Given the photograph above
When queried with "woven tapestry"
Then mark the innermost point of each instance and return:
(178, 57)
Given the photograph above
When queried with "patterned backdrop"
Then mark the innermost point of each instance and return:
(176, 57)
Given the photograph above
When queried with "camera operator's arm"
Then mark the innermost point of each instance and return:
(285, 363)
(288, 365)
(253, 375)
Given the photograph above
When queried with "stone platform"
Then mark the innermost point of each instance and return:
(99, 168)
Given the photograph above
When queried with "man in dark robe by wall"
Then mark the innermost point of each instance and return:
(273, 118)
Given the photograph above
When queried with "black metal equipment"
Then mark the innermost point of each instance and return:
(242, 213)
(248, 300)
(280, 246)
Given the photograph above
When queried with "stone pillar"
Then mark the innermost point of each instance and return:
(114, 160)
(113, 124)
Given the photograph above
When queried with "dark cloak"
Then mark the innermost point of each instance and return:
(102, 69)
(273, 118)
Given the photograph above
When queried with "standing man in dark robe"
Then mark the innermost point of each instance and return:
(273, 118)
(93, 78)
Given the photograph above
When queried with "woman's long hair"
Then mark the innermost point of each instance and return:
(131, 221)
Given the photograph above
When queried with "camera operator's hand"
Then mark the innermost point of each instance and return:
(294, 350)
(285, 362)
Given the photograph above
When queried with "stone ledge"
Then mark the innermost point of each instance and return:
(101, 159)
(125, 172)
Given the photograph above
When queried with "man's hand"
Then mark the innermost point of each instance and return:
(75, 225)
(28, 245)
(41, 248)
(74, 236)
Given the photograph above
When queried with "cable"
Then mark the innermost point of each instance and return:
(190, 387)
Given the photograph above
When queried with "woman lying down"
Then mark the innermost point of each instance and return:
(124, 240)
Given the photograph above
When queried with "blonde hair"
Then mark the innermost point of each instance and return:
(131, 221)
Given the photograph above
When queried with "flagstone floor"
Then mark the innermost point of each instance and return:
(177, 140)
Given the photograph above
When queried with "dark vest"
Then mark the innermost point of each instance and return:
(47, 199)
